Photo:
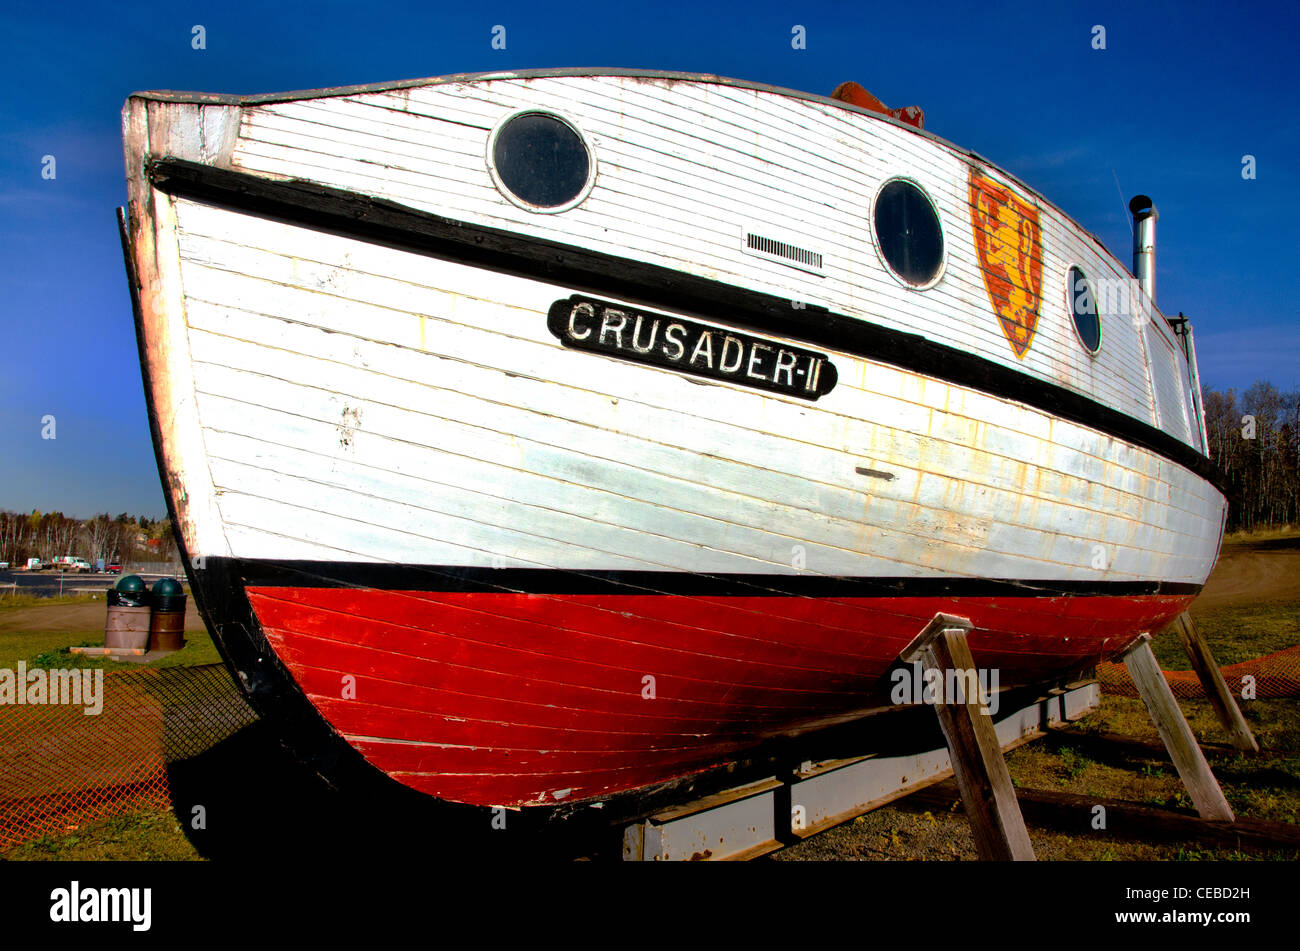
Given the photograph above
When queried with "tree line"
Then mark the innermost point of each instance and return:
(1254, 439)
(49, 535)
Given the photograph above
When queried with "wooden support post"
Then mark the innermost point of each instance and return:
(1221, 698)
(1130, 820)
(973, 746)
(1172, 725)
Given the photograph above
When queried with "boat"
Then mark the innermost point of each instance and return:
(542, 438)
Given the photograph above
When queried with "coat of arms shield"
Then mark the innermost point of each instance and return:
(1008, 240)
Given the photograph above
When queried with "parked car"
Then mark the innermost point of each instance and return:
(114, 569)
(72, 563)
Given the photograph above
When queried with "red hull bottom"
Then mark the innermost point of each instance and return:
(531, 699)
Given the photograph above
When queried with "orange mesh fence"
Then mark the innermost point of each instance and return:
(1274, 676)
(61, 767)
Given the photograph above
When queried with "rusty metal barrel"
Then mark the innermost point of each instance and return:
(128, 614)
(167, 627)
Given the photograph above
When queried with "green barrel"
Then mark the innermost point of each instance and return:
(167, 625)
(129, 592)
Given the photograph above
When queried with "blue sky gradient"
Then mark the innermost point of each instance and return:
(1181, 92)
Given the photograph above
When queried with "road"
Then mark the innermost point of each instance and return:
(46, 583)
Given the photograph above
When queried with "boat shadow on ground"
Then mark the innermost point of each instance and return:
(258, 802)
(1286, 543)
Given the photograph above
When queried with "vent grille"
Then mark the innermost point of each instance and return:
(780, 249)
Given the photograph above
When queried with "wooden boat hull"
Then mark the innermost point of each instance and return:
(536, 699)
(508, 570)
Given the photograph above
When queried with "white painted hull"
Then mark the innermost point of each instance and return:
(386, 464)
(363, 403)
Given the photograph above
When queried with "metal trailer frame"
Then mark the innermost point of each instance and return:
(759, 817)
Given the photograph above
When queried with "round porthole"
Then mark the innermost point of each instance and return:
(908, 233)
(540, 162)
(1083, 307)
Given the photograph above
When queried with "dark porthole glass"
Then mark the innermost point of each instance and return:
(907, 230)
(541, 160)
(1083, 306)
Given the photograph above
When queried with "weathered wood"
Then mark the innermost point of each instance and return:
(978, 765)
(255, 268)
(1221, 698)
(383, 221)
(1073, 813)
(712, 168)
(1172, 726)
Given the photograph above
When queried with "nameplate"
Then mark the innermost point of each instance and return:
(688, 346)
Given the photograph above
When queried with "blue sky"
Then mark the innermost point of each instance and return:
(1179, 95)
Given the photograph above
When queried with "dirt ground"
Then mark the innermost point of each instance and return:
(1250, 571)
(89, 615)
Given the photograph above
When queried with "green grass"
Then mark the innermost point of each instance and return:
(153, 835)
(1073, 763)
(1235, 634)
(40, 644)
(11, 601)
(24, 645)
(198, 649)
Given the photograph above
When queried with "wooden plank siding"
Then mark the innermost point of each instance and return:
(478, 437)
(675, 190)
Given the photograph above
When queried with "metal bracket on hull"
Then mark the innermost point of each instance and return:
(1188, 759)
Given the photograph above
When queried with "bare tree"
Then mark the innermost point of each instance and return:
(100, 535)
(13, 534)
(1255, 443)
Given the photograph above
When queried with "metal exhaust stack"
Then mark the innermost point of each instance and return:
(1144, 243)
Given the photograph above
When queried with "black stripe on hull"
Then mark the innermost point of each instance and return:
(393, 577)
(390, 224)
